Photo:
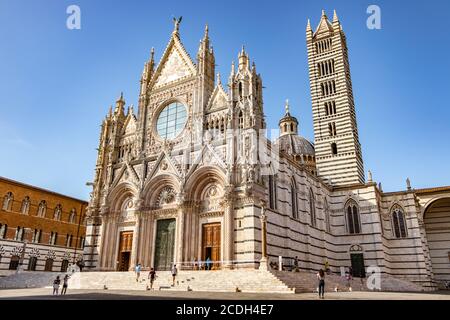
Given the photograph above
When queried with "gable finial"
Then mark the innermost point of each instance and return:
(323, 13)
(219, 81)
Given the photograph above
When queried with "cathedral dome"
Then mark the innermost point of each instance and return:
(293, 144)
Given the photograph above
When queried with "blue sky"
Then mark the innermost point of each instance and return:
(56, 84)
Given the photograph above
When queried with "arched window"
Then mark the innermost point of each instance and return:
(32, 264)
(353, 222)
(25, 205)
(3, 229)
(64, 265)
(334, 150)
(8, 201)
(312, 207)
(19, 234)
(48, 265)
(326, 211)
(399, 222)
(241, 120)
(72, 216)
(42, 209)
(14, 263)
(58, 211)
(294, 204)
(240, 90)
(272, 193)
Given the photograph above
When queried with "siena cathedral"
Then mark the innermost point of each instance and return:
(193, 176)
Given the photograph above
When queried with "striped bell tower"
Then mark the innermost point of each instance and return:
(338, 151)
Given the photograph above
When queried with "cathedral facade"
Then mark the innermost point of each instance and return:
(192, 175)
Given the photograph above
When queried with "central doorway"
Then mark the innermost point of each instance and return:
(125, 245)
(211, 244)
(165, 244)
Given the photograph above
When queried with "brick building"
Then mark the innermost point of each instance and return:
(49, 226)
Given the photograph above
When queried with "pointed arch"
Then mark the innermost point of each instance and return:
(312, 207)
(8, 200)
(352, 217)
(398, 221)
(25, 208)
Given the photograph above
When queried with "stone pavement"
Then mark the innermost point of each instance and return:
(45, 293)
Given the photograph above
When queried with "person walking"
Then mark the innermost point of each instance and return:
(56, 284)
(65, 284)
(138, 271)
(152, 276)
(174, 274)
(321, 278)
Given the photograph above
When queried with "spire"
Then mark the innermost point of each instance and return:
(308, 26)
(324, 15)
(120, 103)
(286, 107)
(152, 54)
(206, 32)
(335, 16)
(243, 59)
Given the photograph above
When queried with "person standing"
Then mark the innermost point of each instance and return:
(321, 278)
(65, 284)
(208, 263)
(174, 274)
(56, 284)
(296, 264)
(152, 276)
(138, 271)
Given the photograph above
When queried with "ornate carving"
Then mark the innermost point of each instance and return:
(34, 253)
(51, 254)
(166, 196)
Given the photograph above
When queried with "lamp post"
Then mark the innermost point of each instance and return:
(263, 263)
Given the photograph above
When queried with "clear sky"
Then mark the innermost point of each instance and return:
(56, 84)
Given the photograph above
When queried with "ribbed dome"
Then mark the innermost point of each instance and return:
(293, 144)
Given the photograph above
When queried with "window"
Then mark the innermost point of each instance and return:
(332, 129)
(19, 234)
(398, 222)
(25, 205)
(42, 209)
(53, 238)
(3, 229)
(64, 265)
(32, 264)
(353, 223)
(49, 264)
(326, 211)
(334, 150)
(328, 88)
(272, 193)
(171, 120)
(312, 207)
(240, 90)
(14, 263)
(73, 216)
(241, 120)
(8, 201)
(294, 203)
(36, 236)
(57, 213)
(81, 242)
(69, 240)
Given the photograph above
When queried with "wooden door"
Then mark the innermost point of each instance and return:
(211, 244)
(358, 268)
(125, 247)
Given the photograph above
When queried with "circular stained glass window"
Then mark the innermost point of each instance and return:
(171, 120)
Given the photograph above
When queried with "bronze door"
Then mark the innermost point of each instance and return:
(211, 244)
(164, 244)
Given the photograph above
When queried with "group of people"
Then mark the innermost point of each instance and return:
(57, 283)
(152, 275)
(198, 265)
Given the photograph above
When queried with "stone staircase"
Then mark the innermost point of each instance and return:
(218, 281)
(307, 282)
(29, 279)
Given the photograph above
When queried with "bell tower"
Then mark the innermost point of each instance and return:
(337, 147)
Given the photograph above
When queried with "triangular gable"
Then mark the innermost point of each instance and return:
(324, 26)
(164, 165)
(218, 100)
(129, 126)
(207, 157)
(175, 64)
(126, 174)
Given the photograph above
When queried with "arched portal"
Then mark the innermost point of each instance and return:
(437, 227)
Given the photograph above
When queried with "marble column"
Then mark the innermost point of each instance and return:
(103, 242)
(180, 237)
(228, 221)
(135, 244)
